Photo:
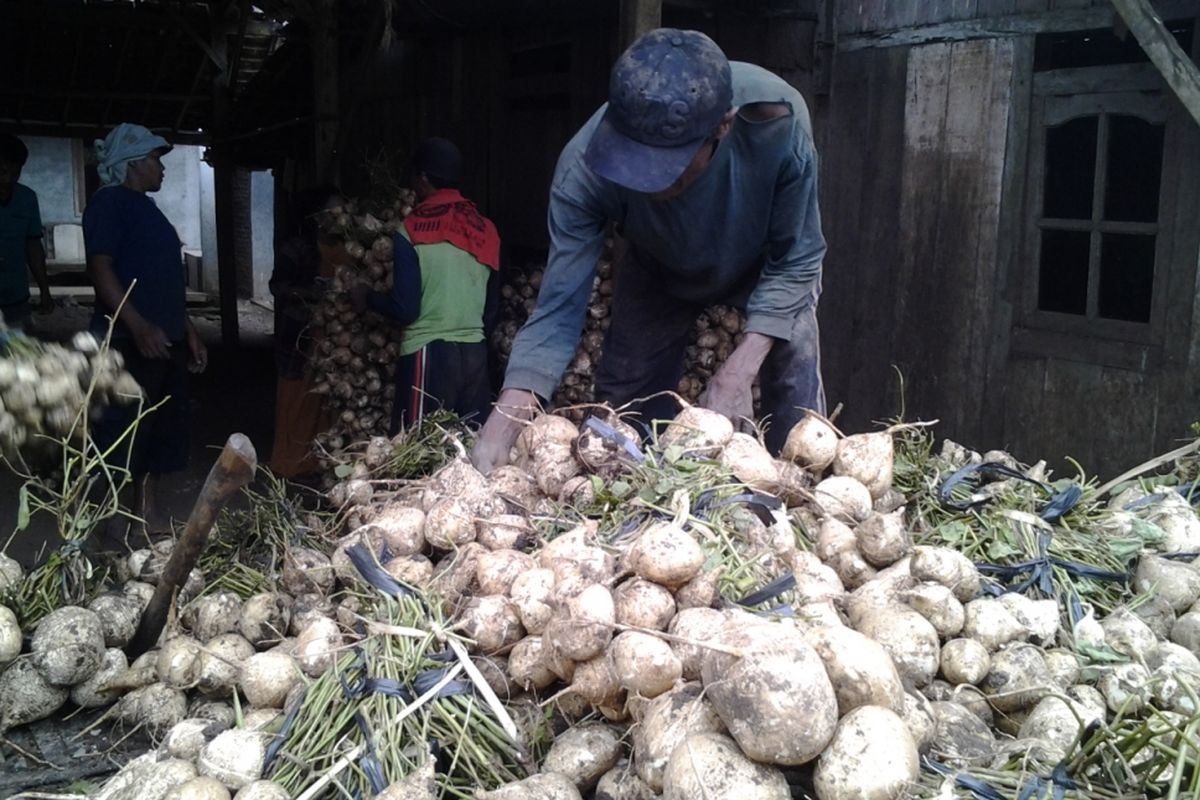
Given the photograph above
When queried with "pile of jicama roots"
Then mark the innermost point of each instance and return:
(880, 652)
(44, 386)
(717, 331)
(356, 353)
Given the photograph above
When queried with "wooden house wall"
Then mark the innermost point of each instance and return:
(886, 15)
(860, 141)
(1111, 405)
(924, 161)
(912, 165)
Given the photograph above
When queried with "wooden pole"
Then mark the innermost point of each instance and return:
(221, 159)
(225, 211)
(1180, 73)
(638, 17)
(233, 470)
(324, 34)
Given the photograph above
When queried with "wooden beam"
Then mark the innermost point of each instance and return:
(54, 93)
(1066, 19)
(1177, 69)
(66, 115)
(117, 75)
(324, 43)
(149, 17)
(235, 58)
(378, 30)
(637, 17)
(207, 44)
(91, 130)
(220, 156)
(192, 92)
(168, 49)
(226, 218)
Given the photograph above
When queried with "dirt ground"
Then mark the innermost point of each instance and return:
(235, 394)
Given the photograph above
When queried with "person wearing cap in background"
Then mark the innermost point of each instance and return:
(21, 249)
(132, 248)
(444, 259)
(708, 168)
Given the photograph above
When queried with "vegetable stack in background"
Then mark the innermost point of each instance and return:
(355, 353)
(717, 331)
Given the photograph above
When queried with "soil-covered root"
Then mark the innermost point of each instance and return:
(92, 692)
(965, 661)
(872, 756)
(664, 723)
(860, 669)
(119, 615)
(265, 619)
(68, 645)
(775, 698)
(543, 786)
(711, 765)
(147, 778)
(25, 696)
(583, 753)
(10, 636)
(234, 757)
(266, 678)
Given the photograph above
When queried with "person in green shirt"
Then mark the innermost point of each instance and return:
(443, 259)
(21, 250)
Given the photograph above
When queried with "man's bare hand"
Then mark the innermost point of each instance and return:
(730, 390)
(198, 353)
(504, 424)
(151, 341)
(45, 303)
(730, 395)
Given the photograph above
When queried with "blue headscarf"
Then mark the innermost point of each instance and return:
(125, 143)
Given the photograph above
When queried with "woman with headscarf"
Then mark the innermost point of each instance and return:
(134, 261)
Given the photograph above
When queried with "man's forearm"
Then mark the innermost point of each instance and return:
(36, 257)
(110, 293)
(747, 358)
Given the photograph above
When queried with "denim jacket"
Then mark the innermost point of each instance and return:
(752, 212)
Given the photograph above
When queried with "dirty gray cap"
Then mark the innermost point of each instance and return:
(666, 96)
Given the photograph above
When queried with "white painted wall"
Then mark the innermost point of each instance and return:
(208, 230)
(262, 230)
(186, 198)
(51, 172)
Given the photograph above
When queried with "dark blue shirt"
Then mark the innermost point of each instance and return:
(128, 227)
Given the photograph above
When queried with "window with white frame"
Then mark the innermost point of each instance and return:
(1097, 232)
(1099, 218)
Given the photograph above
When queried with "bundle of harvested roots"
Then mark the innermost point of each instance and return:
(356, 352)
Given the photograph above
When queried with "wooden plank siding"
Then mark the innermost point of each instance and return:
(915, 23)
(1106, 402)
(861, 141)
(955, 143)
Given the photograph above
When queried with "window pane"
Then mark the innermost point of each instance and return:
(1126, 276)
(1135, 150)
(1070, 169)
(1063, 271)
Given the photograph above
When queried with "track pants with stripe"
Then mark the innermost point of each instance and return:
(449, 375)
